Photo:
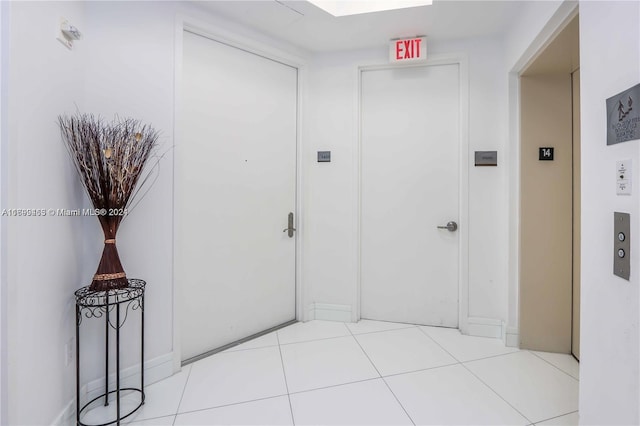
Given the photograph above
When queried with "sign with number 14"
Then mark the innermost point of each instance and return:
(545, 154)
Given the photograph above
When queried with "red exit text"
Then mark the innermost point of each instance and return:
(412, 49)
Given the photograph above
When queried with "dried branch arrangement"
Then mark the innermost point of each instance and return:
(110, 159)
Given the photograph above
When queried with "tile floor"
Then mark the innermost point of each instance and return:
(368, 373)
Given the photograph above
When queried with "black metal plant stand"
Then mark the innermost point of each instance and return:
(99, 304)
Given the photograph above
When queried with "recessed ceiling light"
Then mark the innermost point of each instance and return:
(355, 7)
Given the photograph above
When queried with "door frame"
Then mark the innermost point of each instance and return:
(463, 187)
(250, 45)
(5, 11)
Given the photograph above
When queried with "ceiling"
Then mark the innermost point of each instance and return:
(311, 28)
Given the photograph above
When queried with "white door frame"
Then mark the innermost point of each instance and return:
(463, 221)
(5, 9)
(206, 29)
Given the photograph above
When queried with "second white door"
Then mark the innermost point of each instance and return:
(410, 124)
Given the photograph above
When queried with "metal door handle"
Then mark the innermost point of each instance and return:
(450, 226)
(289, 227)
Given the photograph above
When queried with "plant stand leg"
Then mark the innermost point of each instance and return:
(118, 363)
(106, 356)
(78, 317)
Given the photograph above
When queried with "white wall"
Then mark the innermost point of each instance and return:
(331, 188)
(330, 191)
(610, 343)
(129, 72)
(487, 194)
(44, 255)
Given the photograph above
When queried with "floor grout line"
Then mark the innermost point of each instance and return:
(381, 331)
(231, 404)
(383, 380)
(553, 365)
(335, 386)
(557, 417)
(494, 391)
(184, 389)
(286, 384)
(230, 350)
(489, 357)
(420, 370)
(130, 420)
(441, 347)
(313, 340)
(476, 376)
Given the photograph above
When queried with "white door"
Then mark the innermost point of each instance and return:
(410, 185)
(235, 187)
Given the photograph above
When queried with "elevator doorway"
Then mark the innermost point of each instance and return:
(550, 197)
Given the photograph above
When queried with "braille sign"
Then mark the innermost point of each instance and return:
(623, 116)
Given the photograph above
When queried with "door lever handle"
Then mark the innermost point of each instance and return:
(450, 226)
(289, 227)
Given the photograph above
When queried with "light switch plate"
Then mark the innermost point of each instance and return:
(623, 177)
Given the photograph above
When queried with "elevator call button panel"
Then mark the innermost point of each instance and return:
(621, 245)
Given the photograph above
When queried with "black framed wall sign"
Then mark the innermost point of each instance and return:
(545, 153)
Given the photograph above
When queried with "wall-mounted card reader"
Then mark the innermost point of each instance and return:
(621, 245)
(486, 158)
(324, 156)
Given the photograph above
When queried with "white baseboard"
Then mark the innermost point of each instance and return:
(67, 416)
(311, 313)
(154, 370)
(485, 327)
(511, 337)
(330, 312)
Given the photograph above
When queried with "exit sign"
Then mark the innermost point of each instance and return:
(408, 50)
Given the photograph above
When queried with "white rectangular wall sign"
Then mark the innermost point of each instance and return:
(623, 177)
(412, 49)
